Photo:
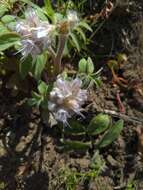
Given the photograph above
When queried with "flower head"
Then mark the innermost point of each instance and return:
(72, 17)
(36, 34)
(66, 99)
(69, 22)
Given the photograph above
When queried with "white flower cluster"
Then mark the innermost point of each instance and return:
(66, 99)
(36, 34)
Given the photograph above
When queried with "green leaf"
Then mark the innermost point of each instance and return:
(83, 24)
(81, 33)
(82, 65)
(75, 128)
(25, 67)
(36, 99)
(76, 145)
(3, 29)
(8, 40)
(98, 124)
(7, 19)
(36, 95)
(42, 88)
(111, 135)
(32, 102)
(39, 65)
(90, 66)
(39, 11)
(49, 9)
(3, 10)
(97, 81)
(75, 41)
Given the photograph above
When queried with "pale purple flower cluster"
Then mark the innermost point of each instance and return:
(66, 99)
(36, 34)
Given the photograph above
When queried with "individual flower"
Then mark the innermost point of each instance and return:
(69, 22)
(72, 18)
(66, 99)
(36, 34)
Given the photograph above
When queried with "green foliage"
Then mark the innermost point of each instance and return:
(86, 73)
(39, 66)
(86, 66)
(6, 5)
(49, 10)
(99, 125)
(77, 36)
(76, 128)
(69, 145)
(8, 40)
(78, 136)
(25, 67)
(40, 98)
(111, 134)
(97, 163)
(70, 178)
(131, 185)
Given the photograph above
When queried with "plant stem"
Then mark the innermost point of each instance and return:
(52, 52)
(59, 54)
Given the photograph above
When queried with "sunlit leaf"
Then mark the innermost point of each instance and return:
(75, 41)
(39, 65)
(49, 10)
(90, 66)
(82, 65)
(42, 88)
(112, 134)
(7, 19)
(98, 124)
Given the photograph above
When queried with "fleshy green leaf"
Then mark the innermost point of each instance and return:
(90, 66)
(75, 128)
(76, 145)
(98, 124)
(82, 65)
(111, 135)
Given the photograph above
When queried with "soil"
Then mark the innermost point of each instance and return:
(29, 154)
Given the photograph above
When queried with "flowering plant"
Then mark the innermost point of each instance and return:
(45, 43)
(41, 39)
